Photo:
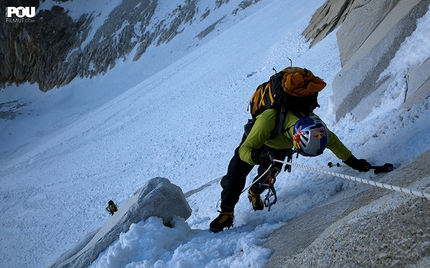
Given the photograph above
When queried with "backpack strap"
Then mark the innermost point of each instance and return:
(276, 85)
(279, 123)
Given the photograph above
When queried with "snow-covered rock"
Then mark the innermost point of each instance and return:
(158, 198)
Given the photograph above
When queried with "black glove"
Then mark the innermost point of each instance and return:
(262, 158)
(358, 164)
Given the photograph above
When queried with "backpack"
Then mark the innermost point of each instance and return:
(293, 89)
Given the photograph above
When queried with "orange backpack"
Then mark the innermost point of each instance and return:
(293, 89)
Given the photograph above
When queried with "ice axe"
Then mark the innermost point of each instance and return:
(387, 167)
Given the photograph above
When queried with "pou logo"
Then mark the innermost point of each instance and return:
(21, 12)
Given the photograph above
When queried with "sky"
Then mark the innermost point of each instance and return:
(74, 148)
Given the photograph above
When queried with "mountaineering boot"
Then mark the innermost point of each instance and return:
(256, 201)
(224, 219)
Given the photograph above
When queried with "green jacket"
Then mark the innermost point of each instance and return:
(265, 123)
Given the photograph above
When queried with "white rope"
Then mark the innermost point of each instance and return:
(265, 172)
(373, 183)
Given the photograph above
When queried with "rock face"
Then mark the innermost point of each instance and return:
(363, 18)
(363, 226)
(329, 16)
(157, 198)
(370, 34)
(52, 48)
(37, 51)
(365, 60)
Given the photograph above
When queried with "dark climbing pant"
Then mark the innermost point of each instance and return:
(234, 181)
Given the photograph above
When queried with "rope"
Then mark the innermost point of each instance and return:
(372, 183)
(265, 172)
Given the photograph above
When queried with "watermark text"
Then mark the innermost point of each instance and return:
(20, 14)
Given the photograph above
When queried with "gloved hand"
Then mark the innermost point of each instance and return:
(358, 164)
(262, 158)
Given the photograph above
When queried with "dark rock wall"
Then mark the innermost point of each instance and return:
(52, 49)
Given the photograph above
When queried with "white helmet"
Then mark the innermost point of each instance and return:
(310, 136)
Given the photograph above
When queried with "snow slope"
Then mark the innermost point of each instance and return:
(76, 147)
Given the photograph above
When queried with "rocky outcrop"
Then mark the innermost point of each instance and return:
(52, 48)
(158, 198)
(363, 18)
(36, 51)
(369, 35)
(364, 60)
(327, 18)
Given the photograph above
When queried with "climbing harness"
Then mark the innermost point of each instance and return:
(270, 198)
